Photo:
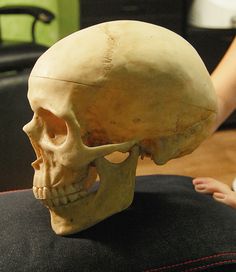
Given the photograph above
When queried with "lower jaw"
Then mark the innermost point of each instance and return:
(76, 216)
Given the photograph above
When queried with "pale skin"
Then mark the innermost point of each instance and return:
(224, 80)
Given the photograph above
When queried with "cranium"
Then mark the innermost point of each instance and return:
(123, 86)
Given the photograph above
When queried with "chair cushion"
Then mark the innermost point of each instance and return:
(19, 56)
(16, 153)
(168, 227)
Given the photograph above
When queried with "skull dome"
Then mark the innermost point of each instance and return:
(116, 86)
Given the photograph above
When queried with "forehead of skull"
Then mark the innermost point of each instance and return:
(50, 95)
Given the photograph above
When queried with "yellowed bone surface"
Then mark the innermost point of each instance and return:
(123, 86)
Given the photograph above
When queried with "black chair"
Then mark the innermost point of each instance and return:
(18, 56)
(16, 61)
(16, 153)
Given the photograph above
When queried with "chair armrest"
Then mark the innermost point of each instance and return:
(39, 14)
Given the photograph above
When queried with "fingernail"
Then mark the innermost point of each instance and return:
(200, 186)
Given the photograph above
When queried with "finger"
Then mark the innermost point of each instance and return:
(228, 199)
(201, 180)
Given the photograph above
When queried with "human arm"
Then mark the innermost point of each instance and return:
(224, 81)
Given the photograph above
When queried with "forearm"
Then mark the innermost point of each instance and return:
(224, 81)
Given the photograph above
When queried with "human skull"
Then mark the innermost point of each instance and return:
(123, 86)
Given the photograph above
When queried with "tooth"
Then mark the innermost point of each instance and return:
(83, 193)
(70, 189)
(49, 203)
(40, 193)
(54, 192)
(35, 191)
(63, 200)
(73, 197)
(55, 201)
(60, 191)
(78, 186)
(46, 193)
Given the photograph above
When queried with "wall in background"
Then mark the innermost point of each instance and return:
(18, 27)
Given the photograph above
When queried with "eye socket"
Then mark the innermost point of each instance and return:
(56, 129)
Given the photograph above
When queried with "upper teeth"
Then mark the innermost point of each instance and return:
(60, 195)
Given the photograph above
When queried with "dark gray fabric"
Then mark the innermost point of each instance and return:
(169, 227)
(18, 57)
(16, 153)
